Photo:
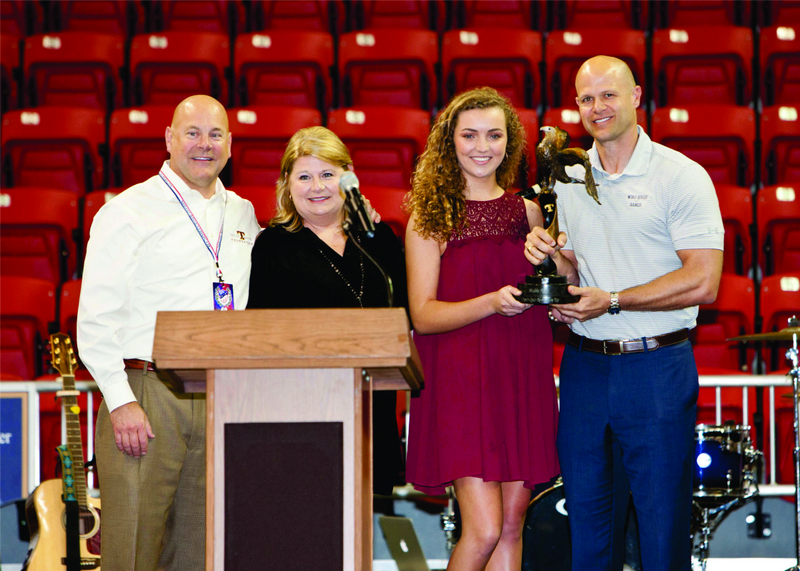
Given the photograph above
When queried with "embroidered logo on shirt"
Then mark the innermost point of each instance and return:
(240, 237)
(636, 200)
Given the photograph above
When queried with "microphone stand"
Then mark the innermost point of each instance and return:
(347, 227)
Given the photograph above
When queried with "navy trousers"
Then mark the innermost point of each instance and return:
(643, 405)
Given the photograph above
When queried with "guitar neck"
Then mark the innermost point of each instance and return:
(74, 440)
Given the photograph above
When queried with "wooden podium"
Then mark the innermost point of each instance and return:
(288, 426)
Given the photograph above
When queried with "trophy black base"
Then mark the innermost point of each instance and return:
(545, 290)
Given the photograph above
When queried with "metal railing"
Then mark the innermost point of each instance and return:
(769, 382)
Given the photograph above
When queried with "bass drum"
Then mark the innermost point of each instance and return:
(546, 544)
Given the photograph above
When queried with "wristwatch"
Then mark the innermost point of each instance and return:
(614, 308)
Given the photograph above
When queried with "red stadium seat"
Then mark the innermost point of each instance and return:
(384, 142)
(263, 199)
(27, 306)
(76, 69)
(780, 141)
(732, 313)
(388, 201)
(21, 17)
(136, 143)
(9, 70)
(389, 67)
(121, 17)
(93, 202)
(719, 137)
(167, 67)
(509, 14)
(506, 59)
(36, 237)
(68, 310)
(284, 67)
(419, 14)
(676, 13)
(736, 205)
(607, 15)
(566, 51)
(260, 134)
(309, 15)
(780, 300)
(703, 64)
(56, 147)
(780, 64)
(778, 215)
(569, 119)
(217, 16)
(778, 12)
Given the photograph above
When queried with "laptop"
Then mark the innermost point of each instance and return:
(403, 543)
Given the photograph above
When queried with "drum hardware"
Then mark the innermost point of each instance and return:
(450, 521)
(724, 476)
(790, 333)
(705, 519)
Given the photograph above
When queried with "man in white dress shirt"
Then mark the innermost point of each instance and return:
(178, 241)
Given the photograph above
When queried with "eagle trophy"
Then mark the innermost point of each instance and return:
(553, 155)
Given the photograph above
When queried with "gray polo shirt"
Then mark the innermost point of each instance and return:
(661, 203)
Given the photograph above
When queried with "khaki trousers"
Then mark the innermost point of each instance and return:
(153, 507)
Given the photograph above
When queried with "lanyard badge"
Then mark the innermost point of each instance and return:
(221, 292)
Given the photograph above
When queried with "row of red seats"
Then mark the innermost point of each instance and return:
(74, 149)
(338, 16)
(388, 66)
(43, 231)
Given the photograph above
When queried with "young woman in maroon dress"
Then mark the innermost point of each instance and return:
(486, 420)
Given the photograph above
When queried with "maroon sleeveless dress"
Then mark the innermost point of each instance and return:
(489, 407)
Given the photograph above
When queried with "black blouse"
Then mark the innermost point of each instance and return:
(296, 270)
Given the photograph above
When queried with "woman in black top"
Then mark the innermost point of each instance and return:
(305, 260)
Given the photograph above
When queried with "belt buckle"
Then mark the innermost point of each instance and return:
(605, 347)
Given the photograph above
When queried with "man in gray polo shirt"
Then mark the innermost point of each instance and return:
(641, 262)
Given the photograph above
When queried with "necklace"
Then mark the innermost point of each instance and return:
(360, 293)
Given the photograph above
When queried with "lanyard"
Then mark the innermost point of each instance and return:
(206, 241)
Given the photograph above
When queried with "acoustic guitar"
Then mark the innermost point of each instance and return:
(64, 520)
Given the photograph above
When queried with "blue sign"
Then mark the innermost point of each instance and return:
(13, 446)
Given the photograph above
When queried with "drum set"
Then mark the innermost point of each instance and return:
(791, 334)
(724, 477)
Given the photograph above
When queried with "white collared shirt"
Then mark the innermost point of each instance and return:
(144, 255)
(661, 203)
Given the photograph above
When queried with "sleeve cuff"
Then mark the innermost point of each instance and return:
(117, 395)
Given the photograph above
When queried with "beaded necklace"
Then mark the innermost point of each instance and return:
(360, 293)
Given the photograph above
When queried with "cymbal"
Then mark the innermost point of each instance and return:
(786, 334)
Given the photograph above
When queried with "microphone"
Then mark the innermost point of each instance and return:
(354, 204)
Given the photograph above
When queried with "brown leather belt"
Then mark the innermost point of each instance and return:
(620, 346)
(138, 364)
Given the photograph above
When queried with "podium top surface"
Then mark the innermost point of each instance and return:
(372, 339)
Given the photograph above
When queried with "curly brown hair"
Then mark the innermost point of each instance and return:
(437, 189)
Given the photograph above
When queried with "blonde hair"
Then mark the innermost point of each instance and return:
(437, 189)
(317, 142)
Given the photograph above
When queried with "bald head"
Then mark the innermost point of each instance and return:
(199, 105)
(605, 66)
